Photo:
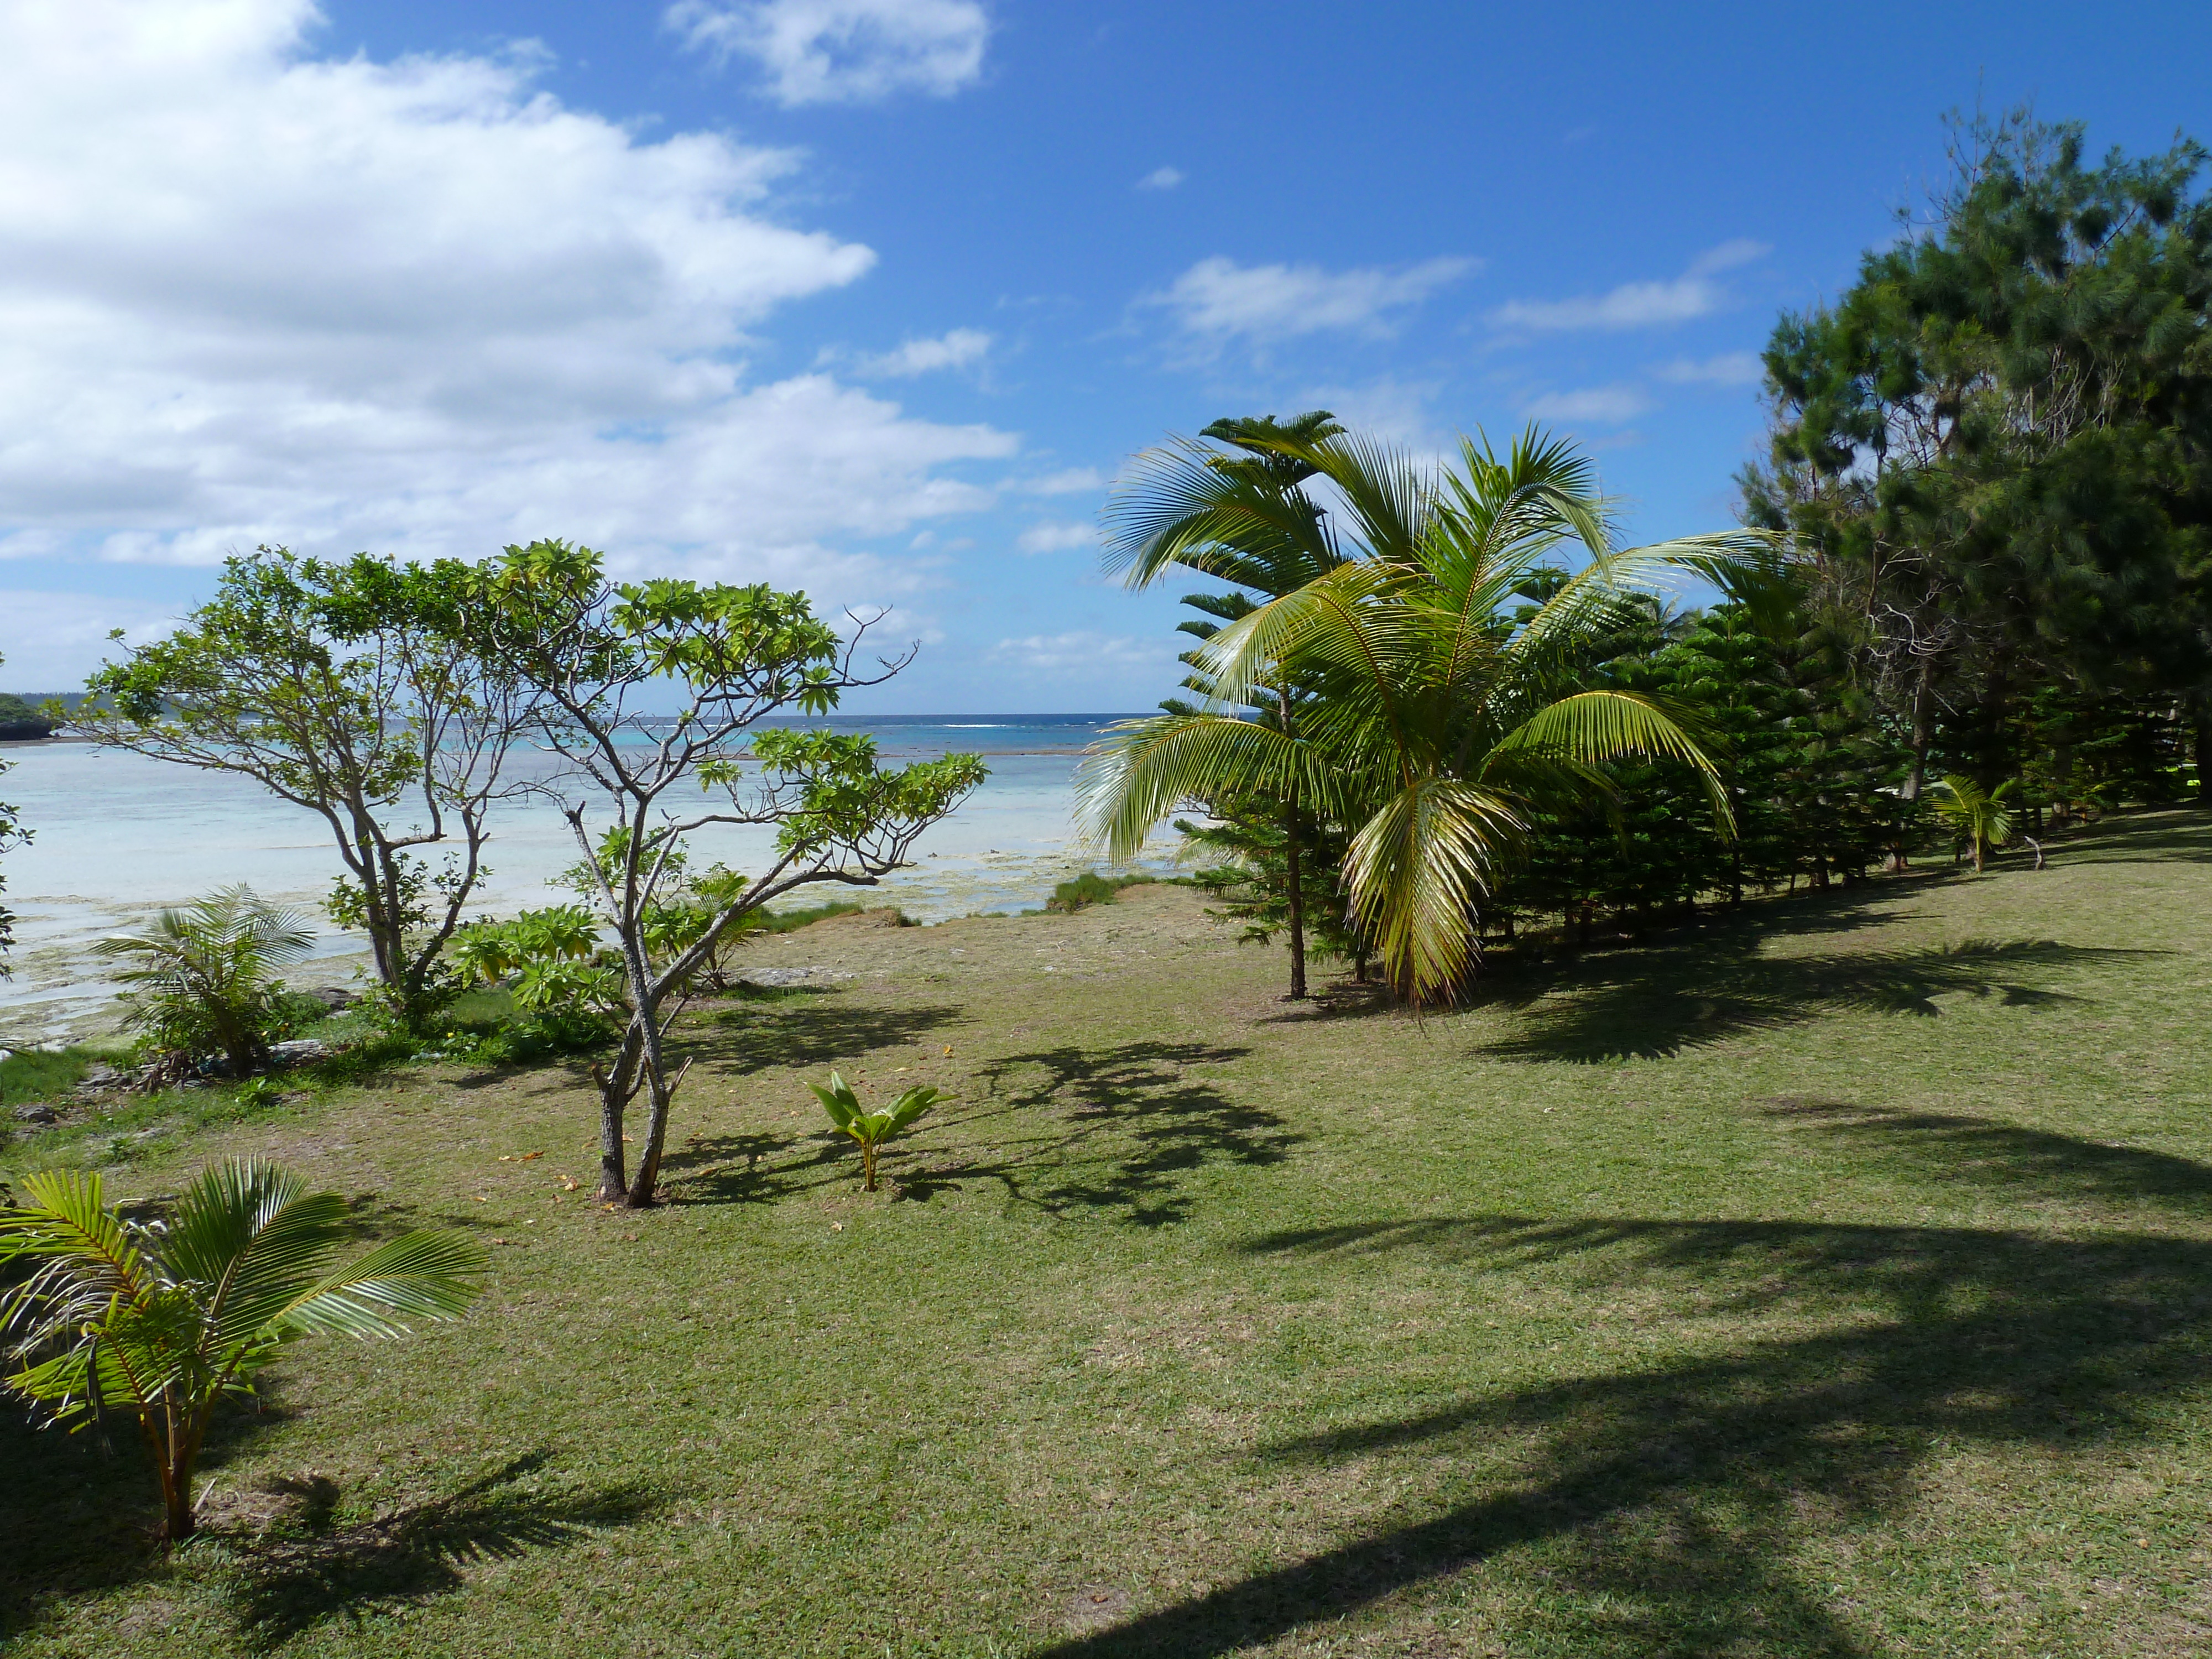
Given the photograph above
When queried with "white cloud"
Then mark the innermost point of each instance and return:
(842, 52)
(1608, 405)
(1218, 298)
(1084, 650)
(420, 307)
(50, 641)
(1051, 537)
(1074, 481)
(955, 350)
(1729, 369)
(1161, 178)
(1638, 304)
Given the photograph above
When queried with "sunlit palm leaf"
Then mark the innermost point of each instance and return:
(1417, 869)
(1143, 770)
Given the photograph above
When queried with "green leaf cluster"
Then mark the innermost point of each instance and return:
(870, 1129)
(163, 1323)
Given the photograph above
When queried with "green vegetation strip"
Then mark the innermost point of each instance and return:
(1832, 1281)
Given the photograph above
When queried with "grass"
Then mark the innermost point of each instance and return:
(1092, 888)
(1832, 1281)
(38, 1074)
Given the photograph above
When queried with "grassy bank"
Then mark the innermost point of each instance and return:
(1836, 1280)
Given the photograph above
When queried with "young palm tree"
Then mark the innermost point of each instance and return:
(1980, 815)
(1238, 515)
(1433, 722)
(210, 974)
(163, 1323)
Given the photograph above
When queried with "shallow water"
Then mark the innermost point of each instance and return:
(118, 836)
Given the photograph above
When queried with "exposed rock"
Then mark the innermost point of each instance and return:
(334, 997)
(300, 1051)
(37, 1112)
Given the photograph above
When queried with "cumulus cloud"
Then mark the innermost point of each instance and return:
(1729, 369)
(252, 296)
(1050, 538)
(1073, 481)
(1083, 650)
(1218, 298)
(1161, 178)
(1607, 406)
(842, 52)
(954, 350)
(1638, 304)
(49, 641)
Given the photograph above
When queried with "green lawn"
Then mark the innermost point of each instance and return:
(1833, 1281)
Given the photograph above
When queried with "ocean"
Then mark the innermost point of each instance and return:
(118, 836)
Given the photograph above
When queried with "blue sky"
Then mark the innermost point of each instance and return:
(872, 297)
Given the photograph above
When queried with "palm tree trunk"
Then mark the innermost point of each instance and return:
(1294, 868)
(1296, 873)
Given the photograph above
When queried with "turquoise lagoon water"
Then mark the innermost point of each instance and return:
(118, 836)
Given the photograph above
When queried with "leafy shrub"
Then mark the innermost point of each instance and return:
(207, 989)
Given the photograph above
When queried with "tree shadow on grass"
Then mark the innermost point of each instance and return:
(315, 1572)
(789, 1031)
(1064, 1130)
(1992, 1153)
(81, 1513)
(1665, 1512)
(1660, 1002)
(2176, 837)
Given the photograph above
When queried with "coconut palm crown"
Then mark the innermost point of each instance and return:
(162, 1322)
(1433, 720)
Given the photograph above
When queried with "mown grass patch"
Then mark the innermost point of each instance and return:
(1828, 1281)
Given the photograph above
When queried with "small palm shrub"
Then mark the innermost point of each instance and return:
(206, 985)
(165, 1321)
(1980, 816)
(870, 1129)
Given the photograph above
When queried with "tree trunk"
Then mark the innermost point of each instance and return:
(1293, 866)
(2204, 751)
(643, 1184)
(615, 1088)
(1923, 695)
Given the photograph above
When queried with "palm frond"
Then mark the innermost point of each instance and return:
(1417, 870)
(424, 1275)
(1141, 771)
(1591, 727)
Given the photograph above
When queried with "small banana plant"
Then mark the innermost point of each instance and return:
(869, 1128)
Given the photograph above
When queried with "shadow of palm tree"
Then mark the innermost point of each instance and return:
(1659, 1002)
(289, 1583)
(1665, 1508)
(1964, 1146)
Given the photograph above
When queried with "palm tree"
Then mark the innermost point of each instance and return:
(1434, 723)
(210, 974)
(1980, 815)
(1241, 517)
(164, 1323)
